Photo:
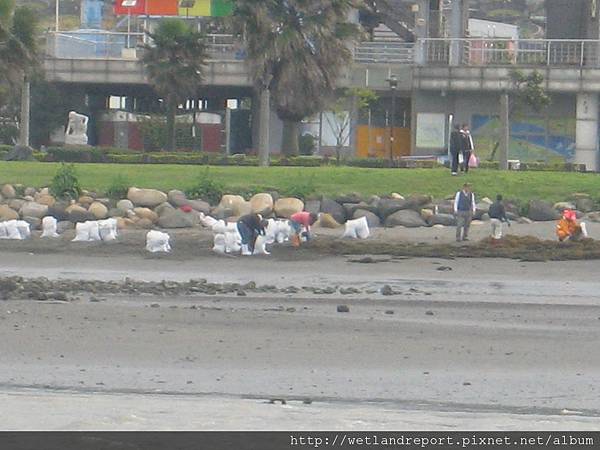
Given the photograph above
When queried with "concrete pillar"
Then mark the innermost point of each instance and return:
(25, 116)
(353, 126)
(504, 131)
(457, 31)
(586, 137)
(421, 31)
(263, 136)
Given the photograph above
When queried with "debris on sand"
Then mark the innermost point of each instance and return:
(386, 290)
(526, 248)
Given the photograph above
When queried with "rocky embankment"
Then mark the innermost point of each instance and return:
(151, 208)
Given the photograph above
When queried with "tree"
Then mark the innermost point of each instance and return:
(175, 61)
(18, 56)
(296, 51)
(340, 119)
(526, 92)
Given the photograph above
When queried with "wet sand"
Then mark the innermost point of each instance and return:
(513, 342)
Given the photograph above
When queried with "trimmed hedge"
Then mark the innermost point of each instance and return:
(123, 156)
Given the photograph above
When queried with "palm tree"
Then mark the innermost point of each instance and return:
(175, 61)
(296, 50)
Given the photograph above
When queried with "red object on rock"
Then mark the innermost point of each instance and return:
(186, 208)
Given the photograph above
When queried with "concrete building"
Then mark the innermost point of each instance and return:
(439, 79)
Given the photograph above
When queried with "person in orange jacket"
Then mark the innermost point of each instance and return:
(567, 227)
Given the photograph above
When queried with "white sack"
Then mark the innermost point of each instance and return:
(219, 243)
(87, 231)
(207, 221)
(157, 241)
(49, 225)
(24, 229)
(108, 229)
(357, 229)
(233, 241)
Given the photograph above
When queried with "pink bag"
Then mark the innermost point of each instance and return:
(473, 161)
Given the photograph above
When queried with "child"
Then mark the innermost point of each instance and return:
(299, 221)
(249, 227)
(568, 228)
(497, 215)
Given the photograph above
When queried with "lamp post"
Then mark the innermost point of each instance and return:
(129, 4)
(56, 15)
(393, 82)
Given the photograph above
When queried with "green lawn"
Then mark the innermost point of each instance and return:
(552, 186)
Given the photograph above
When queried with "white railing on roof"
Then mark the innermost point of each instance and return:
(521, 52)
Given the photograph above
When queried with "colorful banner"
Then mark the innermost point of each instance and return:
(201, 8)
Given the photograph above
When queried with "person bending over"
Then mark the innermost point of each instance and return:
(301, 221)
(567, 227)
(250, 227)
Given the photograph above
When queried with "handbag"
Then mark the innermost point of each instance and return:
(473, 161)
(461, 158)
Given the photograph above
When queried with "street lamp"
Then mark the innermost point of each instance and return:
(129, 4)
(56, 15)
(393, 82)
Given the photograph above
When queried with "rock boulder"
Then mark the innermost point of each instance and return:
(98, 210)
(388, 206)
(406, 218)
(146, 213)
(285, 207)
(334, 209)
(372, 219)
(178, 219)
(146, 197)
(7, 213)
(542, 211)
(8, 191)
(442, 219)
(33, 209)
(262, 204)
(125, 205)
(327, 221)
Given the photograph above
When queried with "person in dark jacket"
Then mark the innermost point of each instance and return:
(497, 214)
(455, 149)
(464, 208)
(467, 146)
(250, 227)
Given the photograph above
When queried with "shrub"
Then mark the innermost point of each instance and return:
(118, 187)
(298, 161)
(133, 158)
(306, 144)
(371, 163)
(207, 188)
(76, 154)
(65, 183)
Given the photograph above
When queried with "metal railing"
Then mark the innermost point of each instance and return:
(522, 52)
(98, 44)
(380, 52)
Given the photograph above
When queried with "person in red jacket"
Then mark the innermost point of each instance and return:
(299, 221)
